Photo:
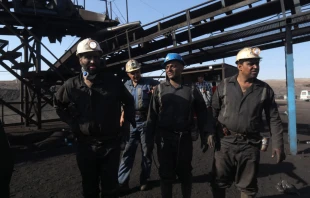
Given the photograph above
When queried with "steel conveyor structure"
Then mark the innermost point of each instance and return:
(210, 31)
(30, 21)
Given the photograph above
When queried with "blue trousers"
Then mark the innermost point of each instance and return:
(137, 135)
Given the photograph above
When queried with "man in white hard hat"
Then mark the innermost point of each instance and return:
(141, 89)
(238, 103)
(91, 104)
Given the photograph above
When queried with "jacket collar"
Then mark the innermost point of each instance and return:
(256, 82)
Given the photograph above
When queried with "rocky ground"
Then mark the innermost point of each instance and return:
(53, 172)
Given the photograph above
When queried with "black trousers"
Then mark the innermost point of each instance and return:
(239, 163)
(6, 164)
(98, 163)
(175, 157)
(5, 179)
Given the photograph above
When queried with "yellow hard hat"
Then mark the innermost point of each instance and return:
(88, 45)
(132, 65)
(248, 53)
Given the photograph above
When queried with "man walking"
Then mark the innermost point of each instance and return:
(91, 104)
(141, 89)
(171, 119)
(238, 103)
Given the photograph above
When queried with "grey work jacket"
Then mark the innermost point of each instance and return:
(242, 112)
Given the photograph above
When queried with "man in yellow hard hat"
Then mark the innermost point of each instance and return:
(141, 89)
(238, 103)
(91, 104)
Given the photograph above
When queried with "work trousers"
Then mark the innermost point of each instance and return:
(98, 163)
(237, 162)
(137, 135)
(175, 157)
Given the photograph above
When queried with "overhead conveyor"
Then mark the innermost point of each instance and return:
(30, 21)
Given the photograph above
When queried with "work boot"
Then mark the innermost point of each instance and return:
(166, 189)
(243, 195)
(219, 192)
(144, 187)
(123, 188)
(186, 189)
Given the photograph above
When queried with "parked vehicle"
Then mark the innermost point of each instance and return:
(305, 95)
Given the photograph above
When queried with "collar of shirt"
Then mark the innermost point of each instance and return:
(256, 83)
(97, 81)
(140, 82)
(167, 83)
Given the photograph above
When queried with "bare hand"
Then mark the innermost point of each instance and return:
(207, 142)
(211, 141)
(122, 120)
(280, 155)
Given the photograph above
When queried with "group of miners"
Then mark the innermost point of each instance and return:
(170, 115)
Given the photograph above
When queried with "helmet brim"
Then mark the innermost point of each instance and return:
(259, 58)
(165, 63)
(100, 51)
(131, 70)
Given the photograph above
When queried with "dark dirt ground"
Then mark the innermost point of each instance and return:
(54, 173)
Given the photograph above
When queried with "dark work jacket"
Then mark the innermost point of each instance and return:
(242, 113)
(94, 112)
(172, 109)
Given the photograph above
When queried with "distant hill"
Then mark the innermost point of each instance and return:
(279, 86)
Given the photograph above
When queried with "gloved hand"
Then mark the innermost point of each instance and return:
(280, 154)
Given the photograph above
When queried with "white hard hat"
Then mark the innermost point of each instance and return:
(248, 53)
(132, 65)
(88, 45)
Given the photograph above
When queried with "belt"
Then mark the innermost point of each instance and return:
(141, 113)
(183, 132)
(237, 134)
(175, 131)
(228, 132)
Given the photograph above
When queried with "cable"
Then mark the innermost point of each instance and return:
(153, 8)
(120, 19)
(119, 11)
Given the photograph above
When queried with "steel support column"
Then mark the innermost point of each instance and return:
(128, 44)
(292, 135)
(22, 85)
(27, 110)
(38, 83)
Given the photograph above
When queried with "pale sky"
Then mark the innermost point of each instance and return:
(272, 65)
